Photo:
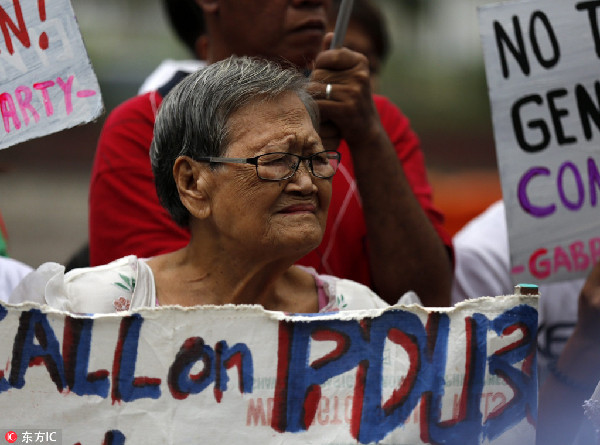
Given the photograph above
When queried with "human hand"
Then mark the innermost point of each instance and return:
(348, 111)
(574, 375)
(588, 317)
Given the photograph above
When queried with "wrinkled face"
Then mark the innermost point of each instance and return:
(289, 29)
(284, 217)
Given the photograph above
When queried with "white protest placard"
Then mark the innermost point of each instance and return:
(47, 83)
(542, 60)
(216, 375)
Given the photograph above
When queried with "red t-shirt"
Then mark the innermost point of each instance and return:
(3, 237)
(126, 217)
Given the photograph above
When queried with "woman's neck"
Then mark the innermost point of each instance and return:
(189, 277)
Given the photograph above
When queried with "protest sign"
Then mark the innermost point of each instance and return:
(48, 83)
(240, 374)
(542, 60)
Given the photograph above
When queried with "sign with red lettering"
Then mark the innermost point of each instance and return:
(542, 60)
(48, 83)
(240, 374)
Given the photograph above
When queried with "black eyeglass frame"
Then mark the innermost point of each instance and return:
(254, 161)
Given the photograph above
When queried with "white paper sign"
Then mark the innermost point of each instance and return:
(233, 375)
(542, 59)
(47, 83)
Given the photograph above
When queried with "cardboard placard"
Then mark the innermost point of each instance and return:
(542, 60)
(215, 375)
(48, 83)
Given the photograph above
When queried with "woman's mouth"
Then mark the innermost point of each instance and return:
(300, 208)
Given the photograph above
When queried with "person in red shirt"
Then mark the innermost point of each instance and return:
(3, 238)
(382, 230)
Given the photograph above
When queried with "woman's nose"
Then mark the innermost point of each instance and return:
(303, 178)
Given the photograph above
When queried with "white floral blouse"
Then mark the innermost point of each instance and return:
(128, 283)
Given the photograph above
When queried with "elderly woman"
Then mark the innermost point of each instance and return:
(237, 158)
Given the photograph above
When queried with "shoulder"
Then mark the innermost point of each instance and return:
(11, 273)
(486, 231)
(383, 103)
(126, 135)
(388, 111)
(10, 267)
(340, 294)
(397, 126)
(482, 256)
(139, 108)
(347, 295)
(101, 289)
(344, 295)
(165, 71)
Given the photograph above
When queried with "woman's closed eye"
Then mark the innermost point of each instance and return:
(321, 158)
(276, 159)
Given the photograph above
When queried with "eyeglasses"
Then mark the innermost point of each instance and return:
(280, 166)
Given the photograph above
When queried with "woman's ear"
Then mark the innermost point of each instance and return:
(193, 184)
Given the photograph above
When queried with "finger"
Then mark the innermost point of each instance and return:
(331, 89)
(327, 41)
(338, 62)
(591, 288)
(318, 90)
(594, 276)
(589, 304)
(338, 59)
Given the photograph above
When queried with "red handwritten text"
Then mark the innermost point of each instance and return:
(19, 29)
(27, 103)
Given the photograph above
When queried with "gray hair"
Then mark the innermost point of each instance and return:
(193, 118)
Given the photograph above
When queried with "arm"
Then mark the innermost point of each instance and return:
(405, 251)
(482, 258)
(125, 216)
(560, 405)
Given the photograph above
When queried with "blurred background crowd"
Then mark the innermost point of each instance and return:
(434, 73)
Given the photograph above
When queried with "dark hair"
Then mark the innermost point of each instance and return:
(187, 20)
(367, 14)
(193, 118)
